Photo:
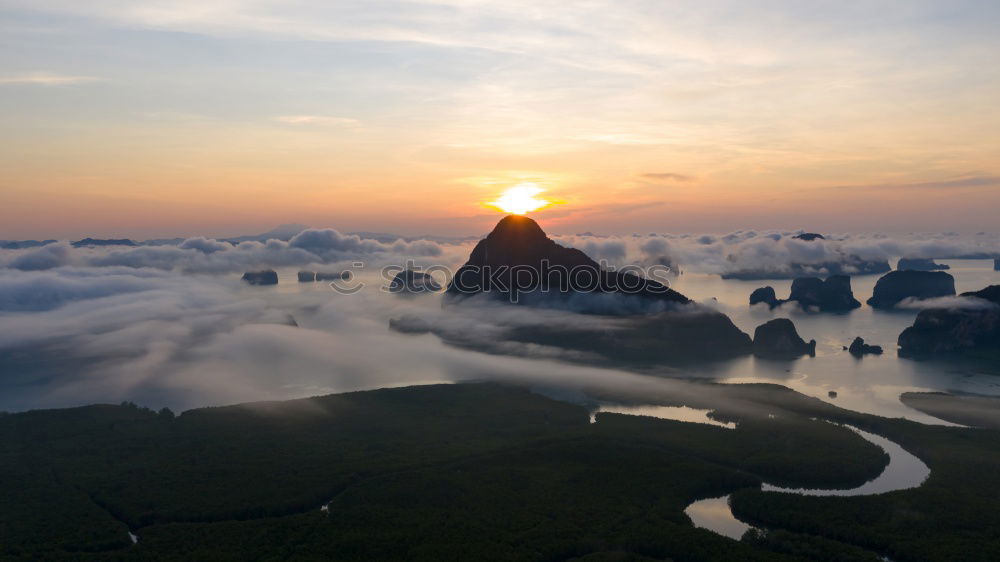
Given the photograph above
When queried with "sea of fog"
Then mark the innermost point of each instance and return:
(183, 340)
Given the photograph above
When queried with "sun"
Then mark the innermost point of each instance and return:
(520, 199)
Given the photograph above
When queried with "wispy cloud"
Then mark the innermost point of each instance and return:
(46, 79)
(974, 181)
(324, 120)
(667, 176)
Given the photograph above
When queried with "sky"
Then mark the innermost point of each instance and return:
(179, 117)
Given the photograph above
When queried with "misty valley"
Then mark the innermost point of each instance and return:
(413, 416)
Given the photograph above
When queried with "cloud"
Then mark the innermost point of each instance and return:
(953, 303)
(668, 176)
(775, 250)
(324, 120)
(207, 255)
(325, 241)
(46, 257)
(103, 325)
(975, 181)
(46, 79)
(100, 334)
(206, 245)
(38, 291)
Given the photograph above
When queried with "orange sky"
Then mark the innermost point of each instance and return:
(167, 120)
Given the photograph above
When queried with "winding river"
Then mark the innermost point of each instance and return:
(903, 472)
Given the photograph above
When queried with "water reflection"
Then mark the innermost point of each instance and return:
(903, 472)
(871, 384)
(676, 413)
(715, 515)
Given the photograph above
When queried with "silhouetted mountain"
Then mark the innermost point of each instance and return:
(991, 293)
(104, 242)
(517, 258)
(518, 263)
(22, 244)
(283, 232)
(778, 338)
(809, 236)
(765, 295)
(896, 286)
(859, 348)
(920, 264)
(832, 295)
(943, 330)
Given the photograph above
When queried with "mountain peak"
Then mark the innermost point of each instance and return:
(517, 257)
(517, 226)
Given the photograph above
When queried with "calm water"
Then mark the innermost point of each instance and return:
(903, 472)
(678, 413)
(714, 514)
(871, 384)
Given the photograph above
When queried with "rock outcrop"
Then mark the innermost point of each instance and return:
(976, 325)
(778, 338)
(265, 277)
(809, 236)
(897, 286)
(517, 259)
(832, 295)
(859, 348)
(920, 264)
(104, 242)
(409, 281)
(625, 318)
(23, 244)
(764, 295)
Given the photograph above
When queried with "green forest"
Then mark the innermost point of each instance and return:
(481, 472)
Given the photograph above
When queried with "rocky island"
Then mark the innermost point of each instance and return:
(897, 286)
(859, 348)
(974, 326)
(622, 316)
(778, 339)
(831, 295)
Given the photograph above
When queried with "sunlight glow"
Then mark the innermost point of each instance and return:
(520, 199)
